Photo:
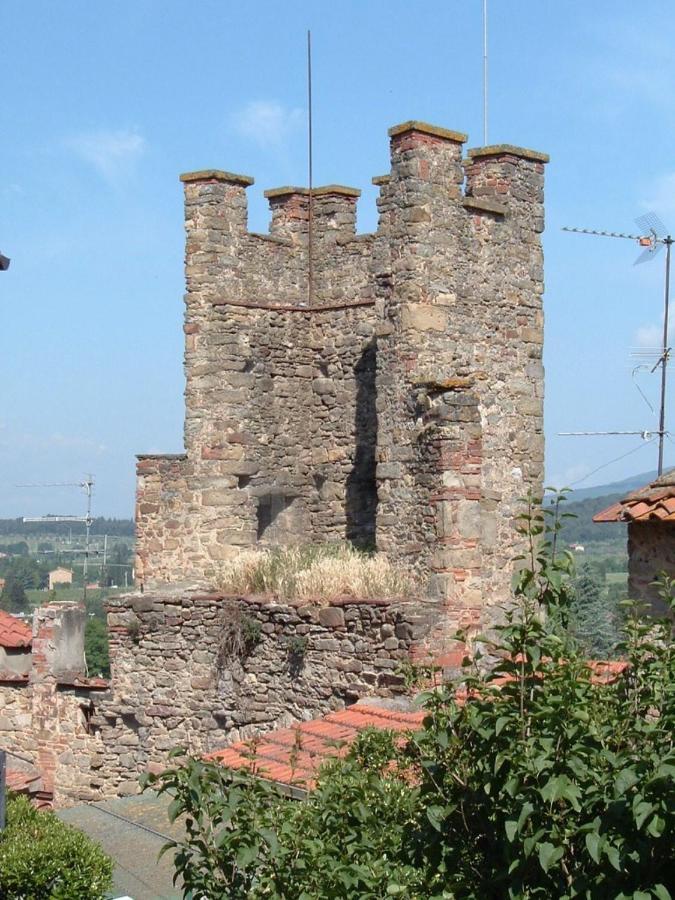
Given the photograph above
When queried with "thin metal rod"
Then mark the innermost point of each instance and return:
(485, 74)
(613, 234)
(666, 351)
(644, 433)
(310, 221)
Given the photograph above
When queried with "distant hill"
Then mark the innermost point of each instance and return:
(615, 487)
(582, 529)
(100, 525)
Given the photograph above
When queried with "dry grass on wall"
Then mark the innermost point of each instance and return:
(309, 573)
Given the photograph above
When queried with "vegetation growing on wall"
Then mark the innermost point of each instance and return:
(549, 781)
(324, 571)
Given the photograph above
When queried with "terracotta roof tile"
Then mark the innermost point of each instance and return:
(14, 632)
(653, 503)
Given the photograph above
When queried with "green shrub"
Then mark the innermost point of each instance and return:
(41, 857)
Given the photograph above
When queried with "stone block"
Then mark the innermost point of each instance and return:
(332, 617)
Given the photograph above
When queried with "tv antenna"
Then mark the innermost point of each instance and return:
(653, 238)
(87, 485)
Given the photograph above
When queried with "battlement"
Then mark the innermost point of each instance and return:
(430, 184)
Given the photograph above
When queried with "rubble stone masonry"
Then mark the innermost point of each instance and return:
(396, 402)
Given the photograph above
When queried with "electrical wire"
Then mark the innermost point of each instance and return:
(612, 461)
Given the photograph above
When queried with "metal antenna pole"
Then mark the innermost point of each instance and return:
(310, 222)
(668, 241)
(652, 239)
(485, 74)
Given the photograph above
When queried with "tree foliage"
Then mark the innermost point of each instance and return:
(595, 615)
(13, 598)
(539, 780)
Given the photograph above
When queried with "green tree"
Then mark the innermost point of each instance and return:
(13, 598)
(96, 647)
(594, 615)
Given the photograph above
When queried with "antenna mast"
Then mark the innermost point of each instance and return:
(485, 74)
(653, 238)
(87, 485)
(310, 222)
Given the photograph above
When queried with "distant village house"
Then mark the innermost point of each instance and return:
(60, 576)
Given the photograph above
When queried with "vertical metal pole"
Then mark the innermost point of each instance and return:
(485, 74)
(85, 568)
(3, 792)
(664, 358)
(310, 223)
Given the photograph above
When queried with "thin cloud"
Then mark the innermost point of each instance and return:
(661, 197)
(112, 153)
(651, 336)
(267, 123)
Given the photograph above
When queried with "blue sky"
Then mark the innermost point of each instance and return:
(103, 105)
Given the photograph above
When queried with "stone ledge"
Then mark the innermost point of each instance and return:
(507, 150)
(271, 238)
(457, 137)
(161, 456)
(271, 307)
(324, 190)
(379, 180)
(217, 175)
(484, 204)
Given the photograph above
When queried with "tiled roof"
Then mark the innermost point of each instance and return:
(292, 756)
(14, 632)
(653, 503)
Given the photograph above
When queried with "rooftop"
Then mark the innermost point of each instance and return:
(653, 503)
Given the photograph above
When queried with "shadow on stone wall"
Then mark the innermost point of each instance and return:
(361, 493)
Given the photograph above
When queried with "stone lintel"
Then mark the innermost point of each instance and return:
(457, 137)
(324, 190)
(484, 204)
(380, 180)
(507, 150)
(217, 175)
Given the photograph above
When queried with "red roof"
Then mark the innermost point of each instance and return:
(653, 503)
(292, 756)
(14, 632)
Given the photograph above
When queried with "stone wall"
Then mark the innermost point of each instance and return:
(398, 401)
(651, 551)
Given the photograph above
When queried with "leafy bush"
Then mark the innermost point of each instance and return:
(42, 857)
(539, 779)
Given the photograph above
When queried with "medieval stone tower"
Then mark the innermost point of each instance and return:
(397, 405)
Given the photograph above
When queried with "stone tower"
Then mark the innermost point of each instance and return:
(398, 404)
